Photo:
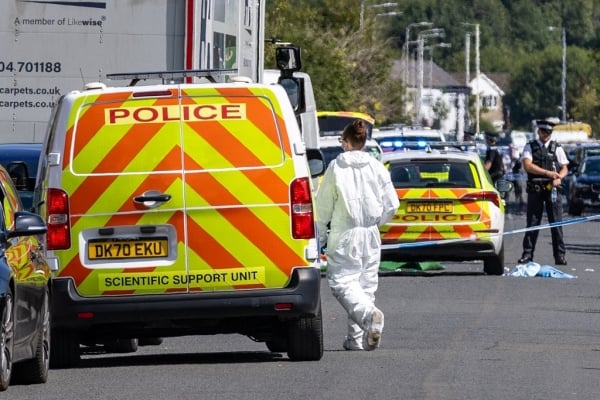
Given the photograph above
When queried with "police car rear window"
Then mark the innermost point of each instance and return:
(426, 174)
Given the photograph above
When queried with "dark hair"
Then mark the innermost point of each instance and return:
(356, 133)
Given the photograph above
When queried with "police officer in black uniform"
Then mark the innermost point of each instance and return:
(545, 162)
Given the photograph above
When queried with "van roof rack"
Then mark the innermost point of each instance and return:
(209, 74)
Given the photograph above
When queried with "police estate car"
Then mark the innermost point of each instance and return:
(449, 209)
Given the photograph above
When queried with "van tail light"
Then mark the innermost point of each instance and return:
(483, 196)
(303, 221)
(58, 236)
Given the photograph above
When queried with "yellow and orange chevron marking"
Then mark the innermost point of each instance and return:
(468, 219)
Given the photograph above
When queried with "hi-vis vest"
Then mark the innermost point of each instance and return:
(175, 189)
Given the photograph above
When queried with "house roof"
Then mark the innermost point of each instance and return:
(439, 77)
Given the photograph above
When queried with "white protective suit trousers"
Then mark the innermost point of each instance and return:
(352, 273)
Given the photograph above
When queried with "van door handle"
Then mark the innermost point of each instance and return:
(152, 198)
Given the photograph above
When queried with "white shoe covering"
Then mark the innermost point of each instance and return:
(372, 337)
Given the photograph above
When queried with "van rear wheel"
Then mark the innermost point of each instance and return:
(122, 345)
(305, 338)
(277, 345)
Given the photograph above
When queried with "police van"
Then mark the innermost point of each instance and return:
(179, 209)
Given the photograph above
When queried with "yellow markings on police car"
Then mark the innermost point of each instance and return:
(124, 249)
(174, 113)
(172, 280)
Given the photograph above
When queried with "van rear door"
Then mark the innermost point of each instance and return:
(239, 174)
(122, 170)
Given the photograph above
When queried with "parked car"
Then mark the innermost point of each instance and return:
(332, 123)
(331, 147)
(584, 185)
(24, 291)
(21, 161)
(407, 138)
(449, 209)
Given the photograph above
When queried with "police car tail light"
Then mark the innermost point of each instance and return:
(303, 223)
(58, 235)
(483, 196)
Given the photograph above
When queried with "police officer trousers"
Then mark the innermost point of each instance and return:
(537, 202)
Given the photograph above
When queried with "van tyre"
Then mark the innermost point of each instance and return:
(305, 338)
(65, 349)
(494, 265)
(36, 370)
(150, 341)
(277, 344)
(124, 345)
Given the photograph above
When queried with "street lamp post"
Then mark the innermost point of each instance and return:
(436, 32)
(382, 5)
(406, 46)
(563, 77)
(477, 73)
(430, 49)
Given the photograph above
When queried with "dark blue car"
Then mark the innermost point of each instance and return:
(584, 186)
(21, 161)
(24, 291)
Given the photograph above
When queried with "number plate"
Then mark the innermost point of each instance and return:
(128, 248)
(427, 207)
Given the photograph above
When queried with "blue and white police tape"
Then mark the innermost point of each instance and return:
(474, 238)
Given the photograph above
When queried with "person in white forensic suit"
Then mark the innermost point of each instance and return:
(355, 197)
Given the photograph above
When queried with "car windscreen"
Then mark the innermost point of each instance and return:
(591, 166)
(330, 153)
(333, 125)
(434, 173)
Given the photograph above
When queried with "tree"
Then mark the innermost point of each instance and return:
(350, 66)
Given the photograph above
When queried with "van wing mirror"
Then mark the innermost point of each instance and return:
(294, 87)
(288, 59)
(316, 162)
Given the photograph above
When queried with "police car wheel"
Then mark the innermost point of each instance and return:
(305, 338)
(494, 265)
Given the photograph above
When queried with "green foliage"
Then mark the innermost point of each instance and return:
(351, 67)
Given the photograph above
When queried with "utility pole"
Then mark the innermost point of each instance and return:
(563, 81)
(477, 72)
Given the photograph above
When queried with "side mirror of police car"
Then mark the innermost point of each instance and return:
(504, 186)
